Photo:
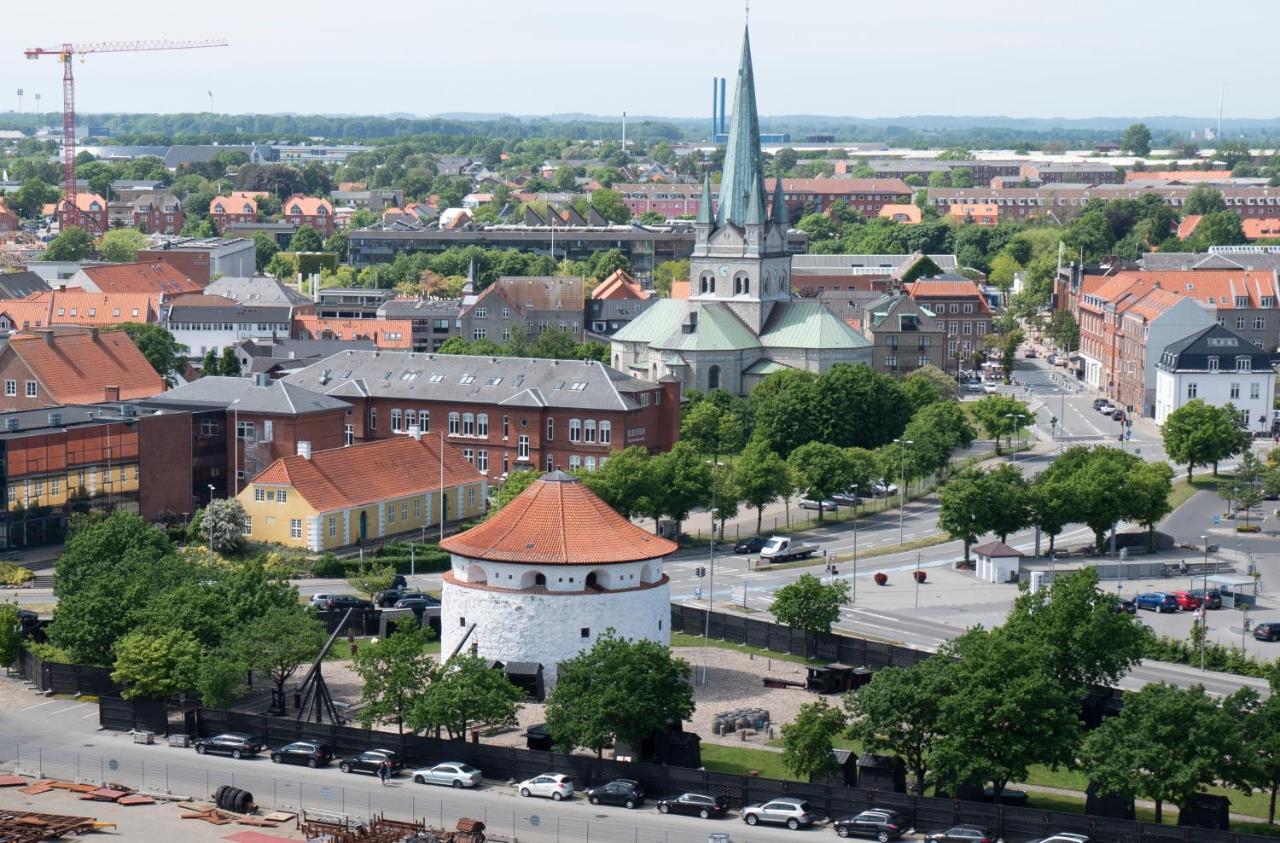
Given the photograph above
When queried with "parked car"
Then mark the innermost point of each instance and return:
(826, 504)
(881, 824)
(1156, 601)
(973, 386)
(398, 581)
(1053, 359)
(1099, 403)
(990, 387)
(880, 490)
(235, 744)
(342, 602)
(369, 761)
(310, 753)
(417, 604)
(1212, 599)
(846, 499)
(450, 773)
(1062, 837)
(318, 600)
(1126, 606)
(1186, 600)
(965, 834)
(1030, 354)
(555, 785)
(752, 545)
(701, 805)
(793, 813)
(387, 599)
(1106, 408)
(625, 792)
(1267, 631)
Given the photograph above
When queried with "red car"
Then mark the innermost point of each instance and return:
(1186, 600)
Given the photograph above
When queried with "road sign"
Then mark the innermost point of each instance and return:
(1217, 519)
(697, 592)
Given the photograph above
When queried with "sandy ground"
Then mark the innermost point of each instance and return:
(159, 823)
(733, 681)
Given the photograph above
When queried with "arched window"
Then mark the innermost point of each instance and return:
(532, 579)
(598, 581)
(482, 424)
(476, 574)
(713, 377)
(707, 283)
(741, 284)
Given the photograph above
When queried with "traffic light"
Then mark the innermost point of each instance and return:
(699, 572)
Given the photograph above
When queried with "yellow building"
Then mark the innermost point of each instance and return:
(331, 499)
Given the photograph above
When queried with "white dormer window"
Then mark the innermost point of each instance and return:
(1244, 364)
(217, 209)
(295, 210)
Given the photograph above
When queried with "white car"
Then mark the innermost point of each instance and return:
(318, 600)
(557, 786)
(450, 773)
(990, 387)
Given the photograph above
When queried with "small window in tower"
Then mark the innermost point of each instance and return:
(462, 621)
(586, 632)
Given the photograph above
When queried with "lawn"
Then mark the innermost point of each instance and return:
(743, 761)
(341, 649)
(1183, 489)
(684, 639)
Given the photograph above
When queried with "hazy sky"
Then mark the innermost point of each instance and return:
(1072, 58)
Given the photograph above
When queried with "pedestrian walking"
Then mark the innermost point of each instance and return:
(384, 770)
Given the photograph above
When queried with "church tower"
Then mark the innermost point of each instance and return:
(739, 258)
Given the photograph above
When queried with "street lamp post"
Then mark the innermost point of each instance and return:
(902, 490)
(854, 581)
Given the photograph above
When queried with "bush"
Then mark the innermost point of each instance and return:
(427, 559)
(11, 574)
(49, 653)
(1216, 656)
(1248, 528)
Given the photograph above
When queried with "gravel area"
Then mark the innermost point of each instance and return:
(15, 693)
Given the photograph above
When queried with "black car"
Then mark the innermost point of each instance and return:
(625, 792)
(398, 581)
(1125, 606)
(1099, 403)
(342, 602)
(1268, 631)
(752, 545)
(235, 744)
(417, 604)
(391, 596)
(881, 824)
(964, 834)
(310, 753)
(368, 762)
(695, 804)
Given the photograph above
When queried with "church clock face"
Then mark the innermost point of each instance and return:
(724, 272)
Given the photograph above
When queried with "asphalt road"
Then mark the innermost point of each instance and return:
(58, 738)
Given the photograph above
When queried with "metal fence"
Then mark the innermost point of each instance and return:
(65, 678)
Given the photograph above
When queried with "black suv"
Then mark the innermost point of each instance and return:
(752, 545)
(311, 753)
(368, 762)
(625, 792)
(881, 824)
(695, 804)
(342, 602)
(235, 744)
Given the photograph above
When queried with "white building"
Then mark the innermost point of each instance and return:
(1218, 367)
(205, 327)
(543, 578)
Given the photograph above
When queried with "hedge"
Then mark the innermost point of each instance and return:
(426, 559)
(11, 574)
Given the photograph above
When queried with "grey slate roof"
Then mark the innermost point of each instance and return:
(288, 349)
(512, 381)
(802, 265)
(274, 398)
(255, 290)
(18, 285)
(419, 309)
(1191, 354)
(227, 313)
(1257, 261)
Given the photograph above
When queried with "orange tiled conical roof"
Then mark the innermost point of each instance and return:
(558, 521)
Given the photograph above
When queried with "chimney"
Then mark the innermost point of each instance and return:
(304, 449)
(112, 393)
(416, 432)
(93, 333)
(47, 333)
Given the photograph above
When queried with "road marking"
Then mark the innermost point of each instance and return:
(90, 714)
(40, 705)
(65, 710)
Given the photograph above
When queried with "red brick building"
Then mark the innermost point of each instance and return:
(158, 214)
(504, 413)
(963, 309)
(48, 367)
(91, 213)
(865, 195)
(239, 207)
(309, 210)
(8, 220)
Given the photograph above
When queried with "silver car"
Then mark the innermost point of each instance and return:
(793, 813)
(450, 773)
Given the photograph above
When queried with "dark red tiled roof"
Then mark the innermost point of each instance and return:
(558, 521)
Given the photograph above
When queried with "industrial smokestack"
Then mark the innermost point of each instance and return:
(715, 111)
(722, 123)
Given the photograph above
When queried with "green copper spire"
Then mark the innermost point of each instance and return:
(779, 211)
(705, 216)
(743, 178)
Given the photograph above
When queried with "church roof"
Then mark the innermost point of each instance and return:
(742, 184)
(808, 324)
(558, 521)
(655, 324)
(718, 329)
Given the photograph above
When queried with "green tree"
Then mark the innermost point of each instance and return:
(278, 642)
(1000, 415)
(819, 227)
(229, 364)
(627, 483)
(306, 239)
(516, 482)
(857, 405)
(1201, 434)
(964, 511)
(681, 482)
(465, 691)
(1219, 228)
(74, 244)
(899, 712)
(784, 405)
(395, 670)
(1258, 721)
(938, 430)
(1156, 747)
(121, 245)
(606, 202)
(282, 266)
(667, 272)
(1006, 713)
(150, 665)
(762, 477)
(1052, 507)
(651, 218)
(810, 605)
(1064, 330)
(1008, 500)
(1136, 140)
(1203, 200)
(921, 391)
(944, 383)
(618, 690)
(371, 578)
(807, 740)
(553, 345)
(165, 354)
(264, 249)
(210, 364)
(821, 470)
(1149, 488)
(10, 640)
(1083, 640)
